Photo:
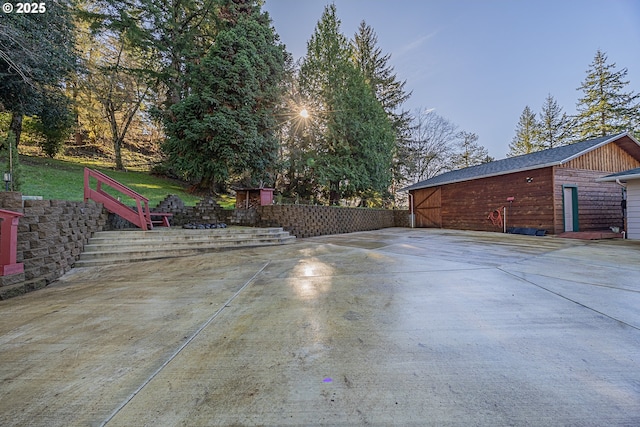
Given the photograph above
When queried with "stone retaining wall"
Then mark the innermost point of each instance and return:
(206, 210)
(401, 218)
(309, 221)
(51, 236)
(300, 220)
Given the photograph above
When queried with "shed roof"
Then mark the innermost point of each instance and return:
(622, 176)
(540, 159)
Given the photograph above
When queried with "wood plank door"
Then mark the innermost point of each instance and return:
(428, 207)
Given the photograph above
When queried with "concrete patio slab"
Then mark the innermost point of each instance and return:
(392, 327)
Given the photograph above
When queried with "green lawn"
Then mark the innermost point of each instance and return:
(64, 180)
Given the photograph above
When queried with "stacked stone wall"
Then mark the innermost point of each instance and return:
(401, 218)
(300, 220)
(51, 237)
(309, 221)
(206, 210)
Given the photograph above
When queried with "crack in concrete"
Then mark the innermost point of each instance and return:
(569, 299)
(183, 346)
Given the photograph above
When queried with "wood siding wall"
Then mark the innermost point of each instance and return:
(599, 203)
(633, 209)
(467, 205)
(539, 203)
(610, 158)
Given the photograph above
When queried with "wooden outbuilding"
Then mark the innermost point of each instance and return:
(550, 191)
(250, 198)
(631, 181)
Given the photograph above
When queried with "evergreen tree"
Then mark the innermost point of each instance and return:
(55, 122)
(225, 127)
(362, 130)
(390, 92)
(176, 35)
(605, 108)
(323, 77)
(352, 143)
(296, 154)
(375, 68)
(36, 55)
(553, 127)
(527, 129)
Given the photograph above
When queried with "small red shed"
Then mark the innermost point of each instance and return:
(554, 190)
(247, 198)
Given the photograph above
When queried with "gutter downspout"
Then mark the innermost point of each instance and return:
(624, 217)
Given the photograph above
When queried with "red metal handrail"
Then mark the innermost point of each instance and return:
(139, 217)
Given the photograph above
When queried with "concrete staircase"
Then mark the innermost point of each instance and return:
(118, 247)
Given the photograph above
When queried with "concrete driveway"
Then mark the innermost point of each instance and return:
(392, 327)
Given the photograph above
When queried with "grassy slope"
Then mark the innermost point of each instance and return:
(63, 180)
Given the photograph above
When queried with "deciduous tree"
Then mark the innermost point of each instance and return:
(431, 146)
(163, 37)
(121, 89)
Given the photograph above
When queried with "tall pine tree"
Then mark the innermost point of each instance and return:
(471, 153)
(553, 127)
(525, 140)
(375, 68)
(224, 127)
(605, 108)
(390, 92)
(353, 142)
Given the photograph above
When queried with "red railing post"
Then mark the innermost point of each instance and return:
(9, 243)
(86, 185)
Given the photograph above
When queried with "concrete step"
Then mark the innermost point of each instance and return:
(163, 232)
(175, 244)
(190, 238)
(118, 247)
(172, 235)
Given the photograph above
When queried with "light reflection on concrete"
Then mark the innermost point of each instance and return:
(310, 278)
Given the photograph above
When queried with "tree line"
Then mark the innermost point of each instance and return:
(604, 108)
(209, 83)
(213, 83)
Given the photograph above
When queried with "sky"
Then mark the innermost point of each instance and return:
(478, 63)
